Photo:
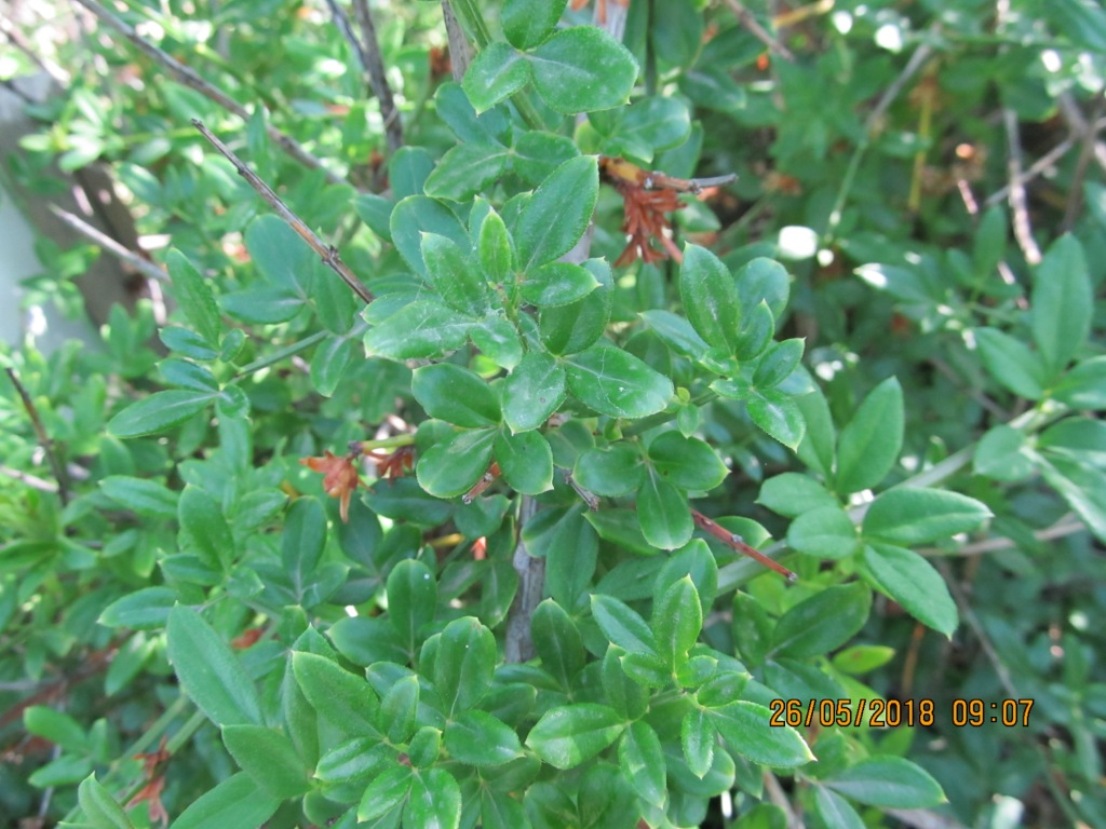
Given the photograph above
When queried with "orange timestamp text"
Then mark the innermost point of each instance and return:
(892, 713)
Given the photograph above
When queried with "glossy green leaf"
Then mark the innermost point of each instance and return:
(677, 620)
(496, 249)
(778, 415)
(345, 700)
(557, 283)
(208, 670)
(421, 330)
(236, 801)
(622, 625)
(869, 445)
(451, 468)
(649, 126)
(676, 332)
(610, 472)
(330, 362)
(412, 600)
(499, 341)
(301, 545)
(888, 782)
(525, 461)
(144, 609)
(745, 728)
(818, 446)
(454, 274)
(464, 665)
(581, 69)
(479, 739)
(57, 727)
(615, 383)
(194, 295)
(147, 498)
(203, 529)
(526, 23)
(533, 391)
(570, 328)
(912, 582)
(1003, 453)
(569, 735)
(777, 363)
(825, 532)
(641, 761)
(1084, 387)
(825, 621)
(710, 298)
(664, 513)
(398, 708)
(697, 739)
(558, 642)
(1011, 363)
(101, 810)
(417, 215)
(920, 516)
(466, 170)
(495, 74)
(1062, 303)
(269, 758)
(387, 791)
(558, 213)
(434, 801)
(688, 463)
(284, 259)
(758, 327)
(764, 279)
(359, 758)
(159, 412)
(834, 810)
(791, 494)
(455, 395)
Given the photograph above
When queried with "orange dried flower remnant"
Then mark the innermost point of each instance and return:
(340, 477)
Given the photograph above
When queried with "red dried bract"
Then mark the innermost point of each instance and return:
(340, 479)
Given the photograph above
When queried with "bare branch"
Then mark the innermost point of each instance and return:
(1086, 153)
(61, 475)
(1023, 231)
(735, 542)
(749, 21)
(20, 42)
(328, 253)
(144, 266)
(189, 78)
(460, 50)
(374, 68)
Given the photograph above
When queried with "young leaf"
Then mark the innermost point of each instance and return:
(697, 738)
(194, 295)
(398, 708)
(569, 735)
(778, 415)
(622, 625)
(581, 69)
(495, 248)
(710, 298)
(208, 670)
(912, 582)
(776, 364)
(869, 445)
(558, 213)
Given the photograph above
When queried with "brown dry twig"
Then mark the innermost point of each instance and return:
(749, 21)
(374, 68)
(735, 542)
(328, 253)
(61, 475)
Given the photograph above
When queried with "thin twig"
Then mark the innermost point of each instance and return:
(32, 481)
(61, 475)
(749, 21)
(145, 266)
(1068, 525)
(519, 643)
(460, 50)
(189, 78)
(1086, 153)
(374, 68)
(1023, 231)
(328, 253)
(735, 542)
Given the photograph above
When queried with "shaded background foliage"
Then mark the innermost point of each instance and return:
(914, 165)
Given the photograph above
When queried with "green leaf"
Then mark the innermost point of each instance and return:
(495, 248)
(676, 332)
(237, 801)
(454, 275)
(778, 415)
(284, 259)
(912, 582)
(1011, 363)
(147, 498)
(465, 664)
(203, 529)
(479, 739)
(641, 761)
(208, 670)
(1004, 454)
(536, 155)
(568, 329)
(824, 532)
(745, 728)
(99, 807)
(387, 791)
(558, 643)
(615, 383)
(825, 621)
(57, 727)
(817, 449)
(710, 299)
(269, 758)
(455, 395)
(495, 74)
(1062, 303)
(416, 215)
(145, 609)
(499, 341)
(569, 735)
(791, 494)
(697, 738)
(301, 545)
(558, 213)
(345, 700)
(1084, 387)
(649, 126)
(764, 279)
(526, 23)
(622, 625)
(423, 329)
(557, 283)
(159, 412)
(909, 516)
(434, 802)
(466, 170)
(398, 709)
(526, 461)
(777, 363)
(194, 296)
(533, 391)
(453, 467)
(888, 782)
(677, 620)
(330, 362)
(581, 69)
(412, 600)
(610, 472)
(869, 445)
(664, 513)
(834, 810)
(688, 463)
(355, 759)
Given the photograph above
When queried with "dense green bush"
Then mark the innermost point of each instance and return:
(582, 395)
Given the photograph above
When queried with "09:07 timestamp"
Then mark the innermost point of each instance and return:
(891, 713)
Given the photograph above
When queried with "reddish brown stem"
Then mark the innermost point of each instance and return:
(735, 542)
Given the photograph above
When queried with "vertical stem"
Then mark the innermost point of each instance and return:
(519, 646)
(374, 68)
